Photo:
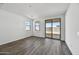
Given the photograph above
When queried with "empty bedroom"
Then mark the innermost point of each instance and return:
(39, 28)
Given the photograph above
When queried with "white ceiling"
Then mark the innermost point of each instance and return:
(36, 10)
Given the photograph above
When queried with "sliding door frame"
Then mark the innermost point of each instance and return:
(52, 29)
(45, 30)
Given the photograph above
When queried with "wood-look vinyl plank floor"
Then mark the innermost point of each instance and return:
(35, 46)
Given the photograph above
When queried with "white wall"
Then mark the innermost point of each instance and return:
(12, 27)
(72, 27)
(41, 33)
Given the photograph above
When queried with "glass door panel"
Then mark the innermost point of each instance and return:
(56, 28)
(48, 28)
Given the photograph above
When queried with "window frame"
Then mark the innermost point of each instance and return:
(28, 25)
(37, 25)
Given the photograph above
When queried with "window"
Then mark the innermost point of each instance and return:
(37, 26)
(28, 25)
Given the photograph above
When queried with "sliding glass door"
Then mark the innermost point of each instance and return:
(53, 28)
(48, 28)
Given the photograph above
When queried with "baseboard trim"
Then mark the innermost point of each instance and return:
(12, 41)
(37, 36)
(17, 40)
(68, 48)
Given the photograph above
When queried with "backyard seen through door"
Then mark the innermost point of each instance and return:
(53, 28)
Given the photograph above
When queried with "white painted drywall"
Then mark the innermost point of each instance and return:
(72, 27)
(41, 33)
(12, 27)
